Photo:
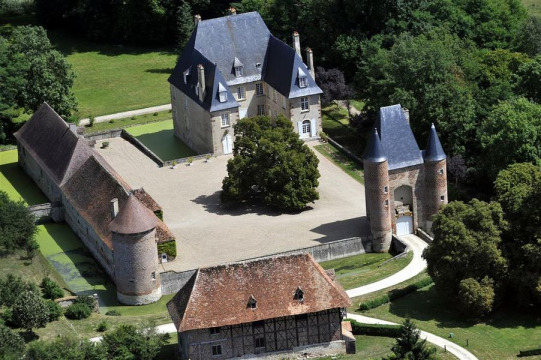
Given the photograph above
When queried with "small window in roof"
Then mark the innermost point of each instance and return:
(302, 78)
(238, 67)
(222, 91)
(252, 302)
(187, 75)
(299, 294)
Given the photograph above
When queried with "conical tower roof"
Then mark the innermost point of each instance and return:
(434, 150)
(374, 150)
(133, 218)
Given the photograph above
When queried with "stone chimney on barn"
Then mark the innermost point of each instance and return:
(310, 61)
(201, 82)
(297, 43)
(196, 19)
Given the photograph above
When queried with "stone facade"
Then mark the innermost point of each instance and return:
(266, 336)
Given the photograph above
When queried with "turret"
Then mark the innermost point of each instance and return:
(378, 209)
(134, 254)
(435, 177)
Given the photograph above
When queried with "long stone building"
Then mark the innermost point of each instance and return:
(116, 223)
(233, 67)
(283, 304)
(404, 186)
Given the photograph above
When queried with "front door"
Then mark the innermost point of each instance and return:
(404, 225)
(227, 144)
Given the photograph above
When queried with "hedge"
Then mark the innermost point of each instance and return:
(531, 352)
(374, 329)
(395, 294)
(170, 248)
(78, 311)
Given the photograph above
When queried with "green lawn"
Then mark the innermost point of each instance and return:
(159, 138)
(533, 7)
(352, 168)
(500, 336)
(16, 183)
(336, 125)
(128, 122)
(115, 78)
(359, 270)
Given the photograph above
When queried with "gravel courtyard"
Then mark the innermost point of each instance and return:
(209, 234)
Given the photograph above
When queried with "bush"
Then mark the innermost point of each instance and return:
(476, 298)
(91, 120)
(170, 248)
(373, 329)
(55, 311)
(103, 326)
(11, 344)
(88, 300)
(51, 290)
(12, 286)
(155, 114)
(395, 294)
(7, 318)
(78, 311)
(113, 313)
(111, 121)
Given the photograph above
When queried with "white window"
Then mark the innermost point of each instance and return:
(241, 93)
(216, 350)
(223, 96)
(302, 82)
(238, 71)
(225, 120)
(260, 110)
(259, 89)
(274, 95)
(304, 104)
(306, 127)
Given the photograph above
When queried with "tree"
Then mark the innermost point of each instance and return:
(333, 85)
(50, 289)
(530, 79)
(476, 298)
(11, 344)
(17, 226)
(271, 164)
(529, 36)
(511, 134)
(185, 24)
(466, 240)
(127, 342)
(30, 311)
(66, 347)
(409, 345)
(457, 169)
(12, 286)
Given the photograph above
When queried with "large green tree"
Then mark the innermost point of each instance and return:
(529, 83)
(510, 134)
(271, 164)
(466, 245)
(30, 311)
(129, 343)
(17, 226)
(11, 344)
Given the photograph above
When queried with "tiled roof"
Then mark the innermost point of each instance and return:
(399, 144)
(434, 150)
(374, 151)
(219, 296)
(133, 218)
(146, 199)
(52, 144)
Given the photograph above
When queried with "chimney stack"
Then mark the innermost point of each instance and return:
(310, 60)
(297, 43)
(114, 208)
(201, 82)
(406, 114)
(196, 19)
(232, 11)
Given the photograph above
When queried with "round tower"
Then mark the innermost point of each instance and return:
(134, 253)
(377, 190)
(435, 194)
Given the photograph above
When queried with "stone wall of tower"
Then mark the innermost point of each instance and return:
(136, 261)
(376, 176)
(435, 189)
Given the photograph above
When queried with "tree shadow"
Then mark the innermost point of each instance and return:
(344, 229)
(22, 183)
(29, 336)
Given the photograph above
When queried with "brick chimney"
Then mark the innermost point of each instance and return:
(406, 114)
(114, 208)
(297, 43)
(310, 61)
(232, 11)
(196, 19)
(201, 82)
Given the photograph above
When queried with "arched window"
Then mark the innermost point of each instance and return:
(306, 127)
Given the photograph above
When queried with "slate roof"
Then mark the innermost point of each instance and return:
(374, 151)
(399, 144)
(218, 44)
(47, 137)
(219, 296)
(133, 218)
(434, 150)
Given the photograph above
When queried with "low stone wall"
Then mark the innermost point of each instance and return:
(345, 151)
(398, 246)
(424, 236)
(46, 213)
(173, 281)
(102, 135)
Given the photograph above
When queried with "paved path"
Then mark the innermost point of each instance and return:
(417, 265)
(453, 348)
(126, 114)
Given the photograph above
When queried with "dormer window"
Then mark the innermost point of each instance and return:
(222, 91)
(252, 302)
(299, 294)
(187, 75)
(239, 68)
(302, 78)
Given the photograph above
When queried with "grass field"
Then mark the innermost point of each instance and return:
(359, 270)
(160, 138)
(336, 125)
(16, 183)
(342, 161)
(499, 337)
(533, 7)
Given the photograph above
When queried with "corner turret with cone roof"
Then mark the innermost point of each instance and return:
(135, 258)
(435, 177)
(376, 175)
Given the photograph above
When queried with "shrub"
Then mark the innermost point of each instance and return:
(113, 313)
(7, 318)
(170, 248)
(11, 344)
(103, 326)
(476, 298)
(374, 329)
(88, 300)
(51, 290)
(12, 286)
(133, 117)
(155, 114)
(531, 352)
(91, 120)
(111, 121)
(105, 144)
(78, 311)
(55, 311)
